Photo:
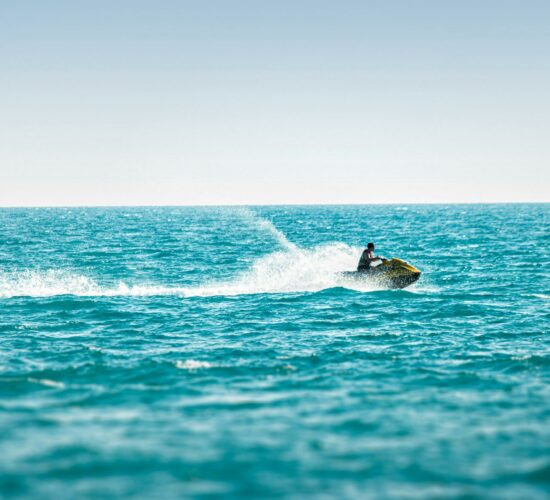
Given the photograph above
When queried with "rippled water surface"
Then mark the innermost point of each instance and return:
(217, 352)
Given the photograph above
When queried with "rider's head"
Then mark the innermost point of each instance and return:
(370, 246)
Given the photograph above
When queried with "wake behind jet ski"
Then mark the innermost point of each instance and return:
(392, 273)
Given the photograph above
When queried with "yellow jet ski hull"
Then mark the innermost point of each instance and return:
(392, 273)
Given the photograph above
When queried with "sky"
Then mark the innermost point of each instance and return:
(165, 102)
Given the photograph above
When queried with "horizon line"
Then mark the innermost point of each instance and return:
(203, 205)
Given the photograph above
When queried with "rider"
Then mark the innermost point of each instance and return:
(368, 258)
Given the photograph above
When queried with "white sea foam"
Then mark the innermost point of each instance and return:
(46, 283)
(192, 364)
(47, 382)
(53, 282)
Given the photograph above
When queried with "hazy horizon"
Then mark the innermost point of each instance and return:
(267, 205)
(183, 104)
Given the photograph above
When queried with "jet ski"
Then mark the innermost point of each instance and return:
(390, 273)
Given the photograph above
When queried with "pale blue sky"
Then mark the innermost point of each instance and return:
(220, 102)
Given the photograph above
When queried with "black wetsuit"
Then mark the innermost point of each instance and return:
(364, 261)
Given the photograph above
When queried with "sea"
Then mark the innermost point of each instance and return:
(218, 352)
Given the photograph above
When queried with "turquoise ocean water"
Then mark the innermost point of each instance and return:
(216, 353)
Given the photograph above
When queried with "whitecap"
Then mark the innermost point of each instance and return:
(192, 364)
(47, 382)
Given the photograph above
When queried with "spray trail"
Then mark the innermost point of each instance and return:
(289, 270)
(268, 226)
(285, 271)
